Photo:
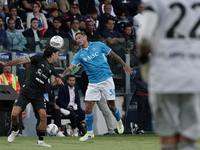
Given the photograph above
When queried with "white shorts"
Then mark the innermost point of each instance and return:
(96, 90)
(176, 114)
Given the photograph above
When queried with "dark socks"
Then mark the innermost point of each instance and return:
(41, 134)
(15, 128)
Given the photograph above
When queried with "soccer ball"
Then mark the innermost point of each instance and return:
(57, 42)
(52, 129)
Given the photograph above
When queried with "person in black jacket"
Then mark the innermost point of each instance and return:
(68, 98)
(55, 30)
(33, 37)
(91, 34)
(143, 104)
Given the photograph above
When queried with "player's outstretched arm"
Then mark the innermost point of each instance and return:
(68, 70)
(126, 68)
(15, 62)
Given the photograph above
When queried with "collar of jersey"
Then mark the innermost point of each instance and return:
(90, 43)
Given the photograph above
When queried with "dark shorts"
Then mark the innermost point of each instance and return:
(37, 103)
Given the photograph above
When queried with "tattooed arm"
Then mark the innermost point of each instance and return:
(69, 70)
(126, 68)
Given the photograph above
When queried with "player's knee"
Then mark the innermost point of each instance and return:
(43, 116)
(14, 114)
(88, 110)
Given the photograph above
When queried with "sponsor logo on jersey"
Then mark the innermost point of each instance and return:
(93, 55)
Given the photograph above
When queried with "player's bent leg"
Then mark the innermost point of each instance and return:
(15, 122)
(42, 128)
(116, 113)
(89, 121)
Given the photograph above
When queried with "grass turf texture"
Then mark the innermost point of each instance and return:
(114, 142)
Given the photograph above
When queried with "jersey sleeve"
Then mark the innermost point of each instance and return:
(76, 60)
(34, 58)
(105, 49)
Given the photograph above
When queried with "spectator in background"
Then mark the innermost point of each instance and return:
(42, 23)
(85, 7)
(33, 37)
(16, 39)
(121, 16)
(56, 29)
(91, 34)
(18, 21)
(137, 19)
(142, 102)
(128, 33)
(104, 17)
(20, 12)
(68, 98)
(27, 5)
(75, 24)
(70, 15)
(74, 48)
(4, 43)
(3, 9)
(7, 78)
(113, 38)
(102, 5)
(47, 5)
(53, 14)
(64, 6)
(93, 17)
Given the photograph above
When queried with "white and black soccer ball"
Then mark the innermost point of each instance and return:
(57, 42)
(52, 129)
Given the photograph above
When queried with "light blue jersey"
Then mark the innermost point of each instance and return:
(94, 61)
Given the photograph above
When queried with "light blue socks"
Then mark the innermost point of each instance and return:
(117, 114)
(89, 121)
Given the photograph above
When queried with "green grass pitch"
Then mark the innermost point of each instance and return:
(114, 142)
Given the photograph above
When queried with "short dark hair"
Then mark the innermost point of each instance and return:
(10, 19)
(81, 32)
(49, 50)
(70, 75)
(53, 9)
(109, 19)
(72, 22)
(37, 4)
(127, 25)
(121, 12)
(93, 11)
(12, 7)
(57, 19)
(33, 19)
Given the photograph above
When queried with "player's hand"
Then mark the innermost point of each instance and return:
(2, 64)
(70, 108)
(56, 106)
(60, 76)
(127, 69)
(59, 81)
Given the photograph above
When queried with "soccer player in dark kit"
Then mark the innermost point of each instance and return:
(33, 88)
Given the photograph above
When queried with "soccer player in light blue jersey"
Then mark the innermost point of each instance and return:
(92, 56)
